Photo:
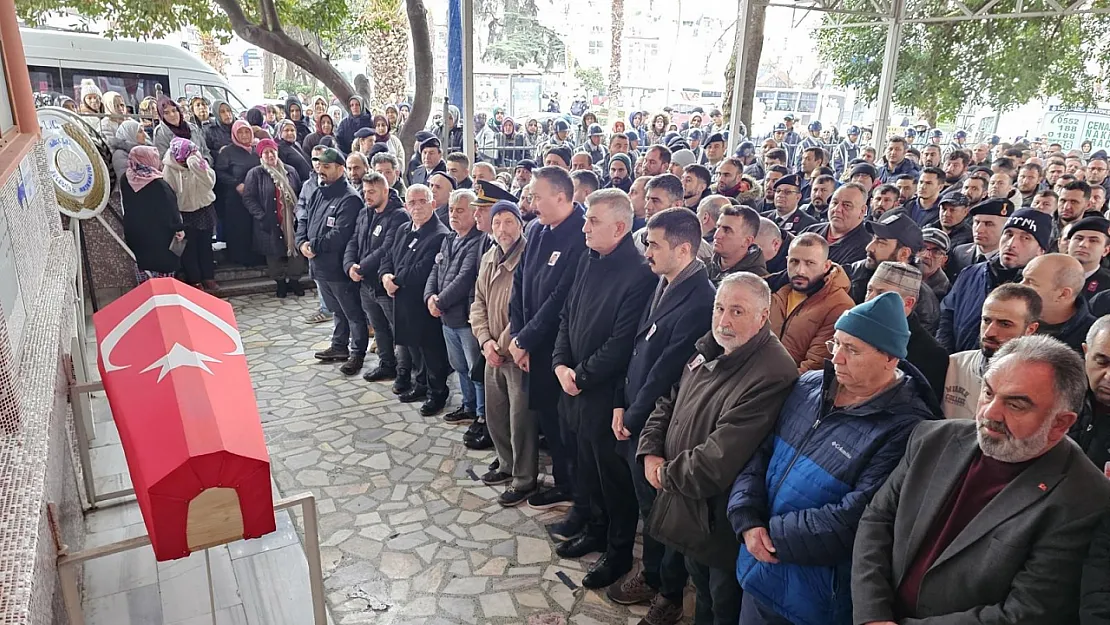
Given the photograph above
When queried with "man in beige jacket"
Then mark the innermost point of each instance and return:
(512, 426)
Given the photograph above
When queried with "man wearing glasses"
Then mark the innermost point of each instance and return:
(787, 194)
(866, 401)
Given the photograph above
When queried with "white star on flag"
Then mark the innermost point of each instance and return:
(180, 356)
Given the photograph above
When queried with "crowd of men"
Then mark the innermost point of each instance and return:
(835, 389)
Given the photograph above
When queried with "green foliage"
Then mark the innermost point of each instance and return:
(291, 87)
(590, 78)
(1000, 63)
(515, 35)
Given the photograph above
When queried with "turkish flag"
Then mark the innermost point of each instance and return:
(176, 378)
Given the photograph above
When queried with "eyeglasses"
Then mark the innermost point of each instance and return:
(834, 346)
(935, 251)
(786, 191)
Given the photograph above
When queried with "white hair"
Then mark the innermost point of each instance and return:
(419, 188)
(459, 194)
(754, 284)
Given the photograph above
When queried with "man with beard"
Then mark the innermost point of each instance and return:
(987, 220)
(1010, 311)
(975, 188)
(620, 168)
(813, 159)
(695, 185)
(884, 201)
(657, 160)
(1065, 316)
(1074, 199)
(522, 175)
(930, 156)
(375, 230)
(678, 314)
(1091, 430)
(953, 218)
(907, 187)
(730, 177)
(820, 191)
(1088, 242)
(931, 260)
(787, 195)
(1097, 170)
(734, 248)
(709, 211)
(1024, 237)
(431, 161)
(955, 171)
(924, 207)
(612, 285)
(774, 174)
(1029, 180)
(813, 300)
(844, 231)
(896, 162)
(323, 231)
(932, 544)
(894, 238)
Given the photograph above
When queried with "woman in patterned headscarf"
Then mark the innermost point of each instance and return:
(190, 176)
(270, 196)
(151, 221)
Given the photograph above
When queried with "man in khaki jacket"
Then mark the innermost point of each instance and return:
(512, 426)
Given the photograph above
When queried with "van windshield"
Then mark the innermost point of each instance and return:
(213, 93)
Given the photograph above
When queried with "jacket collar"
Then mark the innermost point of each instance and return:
(675, 294)
(625, 249)
(912, 388)
(714, 355)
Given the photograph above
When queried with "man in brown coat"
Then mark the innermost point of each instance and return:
(701, 435)
(804, 310)
(512, 425)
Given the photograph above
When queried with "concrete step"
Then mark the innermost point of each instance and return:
(249, 285)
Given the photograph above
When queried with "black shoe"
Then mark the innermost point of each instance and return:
(477, 437)
(496, 478)
(580, 546)
(550, 498)
(567, 529)
(433, 405)
(352, 366)
(282, 289)
(459, 416)
(296, 287)
(332, 354)
(415, 393)
(379, 373)
(495, 465)
(514, 496)
(402, 384)
(606, 571)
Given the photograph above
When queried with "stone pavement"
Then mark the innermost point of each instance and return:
(408, 533)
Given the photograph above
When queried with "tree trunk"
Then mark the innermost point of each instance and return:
(388, 60)
(267, 73)
(362, 87)
(753, 52)
(617, 35)
(276, 40)
(422, 63)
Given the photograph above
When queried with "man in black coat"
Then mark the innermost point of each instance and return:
(404, 274)
(375, 231)
(922, 351)
(844, 231)
(540, 286)
(678, 314)
(597, 329)
(323, 232)
(431, 161)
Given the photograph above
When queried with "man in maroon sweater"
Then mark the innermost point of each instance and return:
(987, 521)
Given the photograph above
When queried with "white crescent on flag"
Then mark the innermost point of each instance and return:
(175, 357)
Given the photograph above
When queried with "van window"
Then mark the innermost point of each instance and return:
(213, 93)
(132, 86)
(46, 84)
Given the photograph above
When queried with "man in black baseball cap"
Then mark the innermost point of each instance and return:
(1026, 234)
(898, 239)
(953, 218)
(522, 174)
(1088, 241)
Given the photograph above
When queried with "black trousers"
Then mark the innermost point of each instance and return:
(604, 481)
(379, 311)
(718, 594)
(664, 567)
(430, 364)
(752, 612)
(197, 262)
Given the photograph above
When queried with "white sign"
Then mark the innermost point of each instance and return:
(1070, 128)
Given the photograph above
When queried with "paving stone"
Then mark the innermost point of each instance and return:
(532, 550)
(466, 586)
(399, 565)
(497, 604)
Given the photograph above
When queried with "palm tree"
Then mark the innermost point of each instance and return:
(617, 34)
(389, 50)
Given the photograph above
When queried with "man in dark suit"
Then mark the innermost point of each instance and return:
(987, 521)
(678, 315)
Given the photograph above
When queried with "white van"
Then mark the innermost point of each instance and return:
(59, 60)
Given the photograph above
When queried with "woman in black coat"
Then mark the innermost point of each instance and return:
(232, 165)
(151, 221)
(289, 150)
(217, 132)
(270, 195)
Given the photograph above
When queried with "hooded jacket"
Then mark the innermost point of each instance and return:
(302, 124)
(809, 484)
(512, 146)
(706, 429)
(650, 136)
(194, 182)
(373, 239)
(805, 330)
(345, 134)
(752, 262)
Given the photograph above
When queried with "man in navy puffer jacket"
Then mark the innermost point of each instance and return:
(796, 506)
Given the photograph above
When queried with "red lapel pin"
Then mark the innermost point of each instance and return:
(1042, 486)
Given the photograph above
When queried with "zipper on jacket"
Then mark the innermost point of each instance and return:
(797, 453)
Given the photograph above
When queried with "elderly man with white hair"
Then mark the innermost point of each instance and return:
(703, 433)
(987, 521)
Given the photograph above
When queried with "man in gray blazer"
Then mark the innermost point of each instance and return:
(987, 521)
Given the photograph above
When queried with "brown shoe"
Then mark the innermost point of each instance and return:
(634, 590)
(662, 612)
(211, 285)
